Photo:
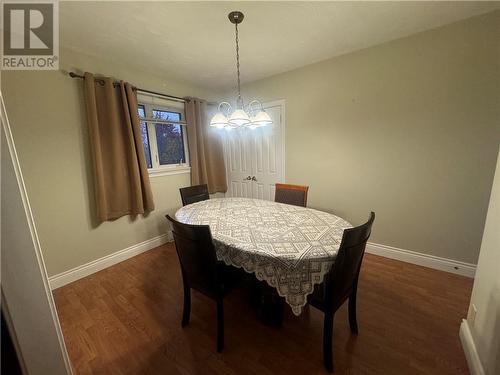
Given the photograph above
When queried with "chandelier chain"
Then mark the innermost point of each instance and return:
(240, 101)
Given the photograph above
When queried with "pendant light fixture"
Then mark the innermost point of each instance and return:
(253, 115)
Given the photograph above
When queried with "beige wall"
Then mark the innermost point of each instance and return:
(408, 129)
(485, 328)
(47, 116)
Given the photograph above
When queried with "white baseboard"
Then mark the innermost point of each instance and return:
(76, 273)
(443, 264)
(471, 354)
(431, 261)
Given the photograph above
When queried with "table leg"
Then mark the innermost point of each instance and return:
(271, 307)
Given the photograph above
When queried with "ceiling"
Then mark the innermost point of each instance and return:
(194, 41)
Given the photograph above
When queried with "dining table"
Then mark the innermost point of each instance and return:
(291, 248)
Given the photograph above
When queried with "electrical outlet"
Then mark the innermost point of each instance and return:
(473, 313)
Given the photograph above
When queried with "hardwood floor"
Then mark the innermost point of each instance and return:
(127, 320)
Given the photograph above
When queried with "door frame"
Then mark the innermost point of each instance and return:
(15, 321)
(273, 103)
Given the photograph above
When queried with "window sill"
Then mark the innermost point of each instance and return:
(168, 171)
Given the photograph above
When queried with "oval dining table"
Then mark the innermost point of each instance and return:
(291, 248)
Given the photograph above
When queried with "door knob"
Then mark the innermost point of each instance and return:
(248, 178)
(253, 178)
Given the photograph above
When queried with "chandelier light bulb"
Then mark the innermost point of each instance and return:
(261, 119)
(219, 121)
(239, 118)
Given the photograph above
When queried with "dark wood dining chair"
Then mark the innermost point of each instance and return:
(200, 270)
(193, 194)
(340, 284)
(291, 194)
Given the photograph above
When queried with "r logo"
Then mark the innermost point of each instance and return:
(28, 29)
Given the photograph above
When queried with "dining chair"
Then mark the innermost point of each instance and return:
(340, 284)
(291, 194)
(200, 270)
(193, 194)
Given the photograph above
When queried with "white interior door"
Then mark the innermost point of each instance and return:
(267, 156)
(238, 164)
(255, 158)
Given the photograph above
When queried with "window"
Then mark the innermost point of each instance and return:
(163, 135)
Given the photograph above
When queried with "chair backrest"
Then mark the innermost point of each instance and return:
(197, 257)
(343, 276)
(192, 194)
(291, 194)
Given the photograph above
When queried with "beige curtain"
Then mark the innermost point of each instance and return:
(121, 178)
(205, 148)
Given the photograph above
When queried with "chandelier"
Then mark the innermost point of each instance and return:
(253, 115)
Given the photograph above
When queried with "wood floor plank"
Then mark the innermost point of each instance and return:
(125, 320)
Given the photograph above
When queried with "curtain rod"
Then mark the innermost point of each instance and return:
(101, 82)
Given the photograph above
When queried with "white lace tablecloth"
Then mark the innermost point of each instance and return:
(290, 247)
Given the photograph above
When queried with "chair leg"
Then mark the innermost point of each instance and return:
(328, 342)
(353, 322)
(220, 324)
(187, 305)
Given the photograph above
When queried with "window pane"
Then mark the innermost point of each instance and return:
(169, 138)
(166, 115)
(145, 144)
(141, 111)
(170, 143)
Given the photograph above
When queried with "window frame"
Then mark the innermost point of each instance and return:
(151, 103)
